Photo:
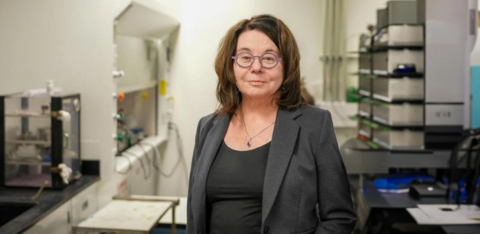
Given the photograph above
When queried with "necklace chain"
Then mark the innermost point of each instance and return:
(249, 143)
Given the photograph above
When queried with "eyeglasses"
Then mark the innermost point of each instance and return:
(267, 60)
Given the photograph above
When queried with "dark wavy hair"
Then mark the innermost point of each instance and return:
(290, 91)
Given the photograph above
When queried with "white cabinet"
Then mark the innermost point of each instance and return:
(69, 214)
(84, 204)
(58, 222)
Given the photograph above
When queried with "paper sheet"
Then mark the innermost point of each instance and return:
(443, 214)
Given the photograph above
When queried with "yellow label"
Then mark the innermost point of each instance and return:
(478, 19)
(163, 88)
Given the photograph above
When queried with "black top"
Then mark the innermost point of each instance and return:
(235, 190)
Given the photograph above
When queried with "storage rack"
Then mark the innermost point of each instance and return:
(386, 118)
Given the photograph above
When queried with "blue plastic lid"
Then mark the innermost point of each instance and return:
(136, 130)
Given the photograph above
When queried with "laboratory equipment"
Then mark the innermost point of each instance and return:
(386, 62)
(398, 114)
(365, 129)
(398, 138)
(365, 85)
(365, 63)
(447, 62)
(136, 117)
(39, 140)
(420, 76)
(398, 89)
(365, 107)
(382, 18)
(399, 35)
(398, 12)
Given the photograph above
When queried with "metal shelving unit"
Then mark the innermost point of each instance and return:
(374, 65)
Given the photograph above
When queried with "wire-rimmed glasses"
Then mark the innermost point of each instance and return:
(267, 60)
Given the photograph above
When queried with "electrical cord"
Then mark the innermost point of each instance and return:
(181, 158)
(146, 157)
(156, 160)
(453, 190)
(155, 154)
(40, 190)
(166, 175)
(180, 150)
(473, 183)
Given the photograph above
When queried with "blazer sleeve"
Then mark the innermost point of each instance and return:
(336, 210)
(190, 223)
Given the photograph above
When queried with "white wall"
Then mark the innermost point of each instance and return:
(193, 79)
(70, 43)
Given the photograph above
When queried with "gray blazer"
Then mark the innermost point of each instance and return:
(304, 169)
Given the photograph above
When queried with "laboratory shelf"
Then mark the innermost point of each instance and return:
(359, 52)
(27, 142)
(397, 75)
(366, 75)
(27, 116)
(382, 98)
(364, 93)
(381, 124)
(380, 48)
(18, 162)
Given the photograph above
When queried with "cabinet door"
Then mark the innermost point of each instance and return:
(84, 204)
(58, 222)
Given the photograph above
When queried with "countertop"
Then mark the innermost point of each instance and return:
(373, 199)
(48, 201)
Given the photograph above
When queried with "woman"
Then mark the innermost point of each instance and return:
(265, 160)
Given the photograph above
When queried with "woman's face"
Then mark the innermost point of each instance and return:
(256, 81)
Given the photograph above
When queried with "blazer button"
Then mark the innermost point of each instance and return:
(266, 230)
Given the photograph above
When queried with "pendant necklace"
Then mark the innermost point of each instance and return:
(249, 142)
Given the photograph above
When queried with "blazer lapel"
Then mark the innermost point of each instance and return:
(283, 142)
(213, 141)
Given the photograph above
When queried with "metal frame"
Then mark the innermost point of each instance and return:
(173, 204)
(2, 141)
(57, 142)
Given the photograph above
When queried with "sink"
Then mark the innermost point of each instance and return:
(10, 210)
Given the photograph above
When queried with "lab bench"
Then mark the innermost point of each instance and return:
(383, 212)
(132, 214)
(74, 202)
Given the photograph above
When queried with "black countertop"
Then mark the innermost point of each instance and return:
(48, 201)
(373, 199)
